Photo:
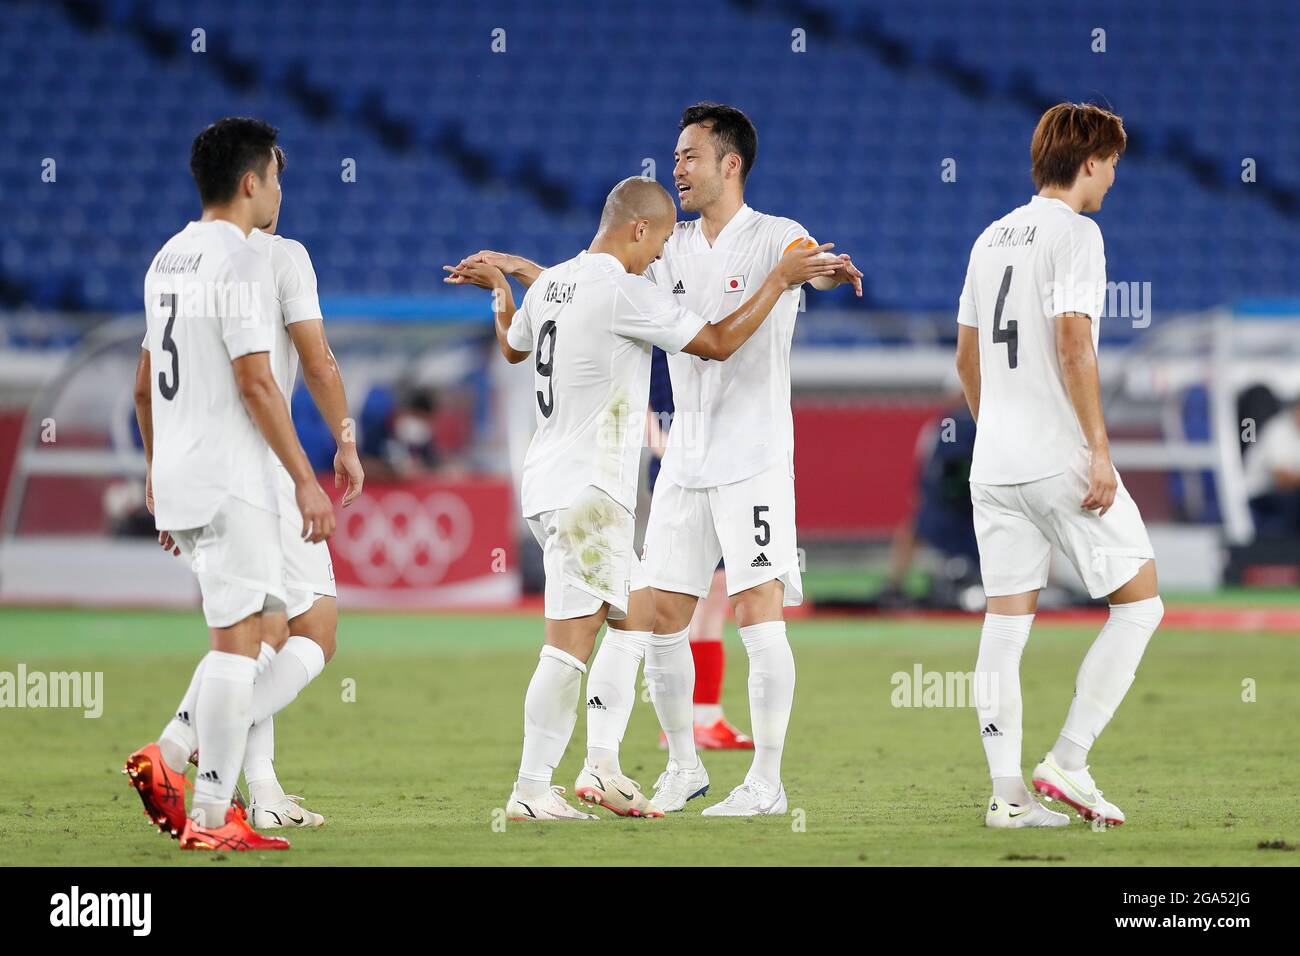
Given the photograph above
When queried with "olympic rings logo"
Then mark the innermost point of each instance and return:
(402, 539)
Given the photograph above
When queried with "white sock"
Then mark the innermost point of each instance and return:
(225, 695)
(997, 691)
(1107, 672)
(771, 696)
(259, 764)
(706, 715)
(550, 713)
(611, 692)
(179, 739)
(259, 753)
(670, 672)
(299, 662)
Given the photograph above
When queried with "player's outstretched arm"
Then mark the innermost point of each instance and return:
(799, 265)
(320, 372)
(968, 366)
(491, 278)
(1078, 358)
(269, 413)
(524, 271)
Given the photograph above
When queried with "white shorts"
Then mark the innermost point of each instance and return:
(238, 562)
(308, 569)
(1017, 526)
(589, 556)
(749, 524)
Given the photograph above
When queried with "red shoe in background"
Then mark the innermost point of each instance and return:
(717, 736)
(721, 736)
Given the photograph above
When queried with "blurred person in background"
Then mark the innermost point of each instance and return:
(401, 443)
(1272, 473)
(943, 518)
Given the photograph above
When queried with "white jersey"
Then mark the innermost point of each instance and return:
(296, 300)
(209, 299)
(591, 326)
(1035, 263)
(731, 419)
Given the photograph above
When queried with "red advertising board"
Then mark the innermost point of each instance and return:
(427, 542)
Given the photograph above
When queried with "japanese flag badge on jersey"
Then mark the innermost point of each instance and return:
(733, 284)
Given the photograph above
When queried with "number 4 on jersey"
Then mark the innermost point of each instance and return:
(1010, 333)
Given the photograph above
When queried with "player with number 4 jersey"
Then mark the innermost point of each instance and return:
(1029, 321)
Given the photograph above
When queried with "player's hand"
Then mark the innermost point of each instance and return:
(468, 272)
(502, 260)
(806, 262)
(168, 543)
(347, 468)
(848, 272)
(1102, 483)
(148, 489)
(317, 512)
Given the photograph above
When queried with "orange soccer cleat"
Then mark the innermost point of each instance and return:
(721, 736)
(716, 736)
(234, 835)
(161, 789)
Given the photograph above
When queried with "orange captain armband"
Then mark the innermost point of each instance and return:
(807, 242)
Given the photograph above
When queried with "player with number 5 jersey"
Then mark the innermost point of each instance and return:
(588, 327)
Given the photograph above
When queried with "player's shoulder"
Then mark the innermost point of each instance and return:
(683, 233)
(775, 226)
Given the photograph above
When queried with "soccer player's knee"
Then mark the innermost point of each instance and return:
(763, 602)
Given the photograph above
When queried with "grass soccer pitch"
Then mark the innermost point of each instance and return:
(413, 771)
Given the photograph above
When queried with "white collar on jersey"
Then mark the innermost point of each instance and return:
(601, 259)
(735, 222)
(1050, 199)
(212, 222)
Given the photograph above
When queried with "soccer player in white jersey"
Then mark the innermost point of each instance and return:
(211, 416)
(589, 324)
(1041, 477)
(307, 631)
(726, 489)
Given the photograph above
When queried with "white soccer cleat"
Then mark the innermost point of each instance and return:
(550, 807)
(283, 814)
(751, 799)
(619, 794)
(676, 786)
(1005, 815)
(1076, 788)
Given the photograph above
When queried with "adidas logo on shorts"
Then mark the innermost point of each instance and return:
(760, 561)
(991, 731)
(595, 704)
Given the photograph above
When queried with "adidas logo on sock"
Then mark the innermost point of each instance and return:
(210, 776)
(183, 716)
(679, 289)
(595, 704)
(991, 731)
(760, 561)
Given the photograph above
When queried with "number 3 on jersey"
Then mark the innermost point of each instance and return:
(1010, 333)
(546, 402)
(169, 389)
